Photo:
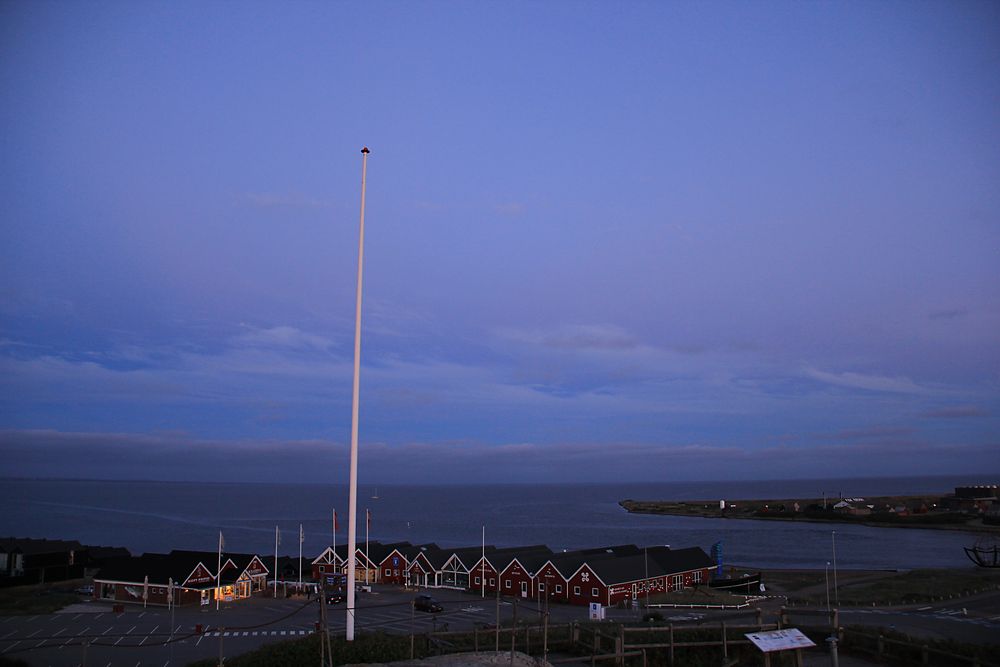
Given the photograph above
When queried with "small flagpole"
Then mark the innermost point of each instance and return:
(218, 575)
(484, 561)
(368, 562)
(335, 541)
(276, 538)
(302, 537)
(353, 494)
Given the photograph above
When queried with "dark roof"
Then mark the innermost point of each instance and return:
(681, 560)
(618, 550)
(160, 568)
(501, 558)
(30, 546)
(653, 562)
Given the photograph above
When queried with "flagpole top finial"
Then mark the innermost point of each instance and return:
(365, 150)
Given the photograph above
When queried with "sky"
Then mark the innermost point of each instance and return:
(603, 241)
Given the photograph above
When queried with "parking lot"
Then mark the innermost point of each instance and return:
(91, 633)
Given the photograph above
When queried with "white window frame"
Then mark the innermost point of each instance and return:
(507, 584)
(593, 592)
(558, 588)
(576, 590)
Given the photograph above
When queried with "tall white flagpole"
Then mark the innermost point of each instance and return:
(483, 561)
(276, 539)
(353, 504)
(302, 539)
(335, 571)
(368, 562)
(218, 575)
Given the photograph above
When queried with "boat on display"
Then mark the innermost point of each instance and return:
(748, 584)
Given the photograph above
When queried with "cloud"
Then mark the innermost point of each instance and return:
(510, 209)
(575, 337)
(878, 383)
(270, 200)
(956, 412)
(950, 314)
(283, 336)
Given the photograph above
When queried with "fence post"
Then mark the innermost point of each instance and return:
(671, 643)
(881, 645)
(725, 644)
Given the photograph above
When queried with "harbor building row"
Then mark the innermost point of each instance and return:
(605, 575)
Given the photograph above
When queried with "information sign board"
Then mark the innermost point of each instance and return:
(779, 640)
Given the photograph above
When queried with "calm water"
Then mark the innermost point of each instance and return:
(159, 516)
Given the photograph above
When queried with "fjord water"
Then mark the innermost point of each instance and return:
(159, 516)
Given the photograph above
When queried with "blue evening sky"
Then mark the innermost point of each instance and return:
(604, 241)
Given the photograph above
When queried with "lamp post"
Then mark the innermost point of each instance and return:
(353, 496)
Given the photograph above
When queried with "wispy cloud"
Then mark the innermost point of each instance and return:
(878, 383)
(575, 336)
(287, 200)
(510, 208)
(956, 412)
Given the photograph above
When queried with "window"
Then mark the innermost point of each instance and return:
(388, 572)
(697, 577)
(493, 582)
(558, 588)
(576, 590)
(322, 569)
(593, 592)
(506, 584)
(477, 580)
(541, 587)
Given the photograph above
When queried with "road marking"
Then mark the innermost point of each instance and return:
(119, 640)
(924, 608)
(142, 614)
(143, 640)
(246, 634)
(154, 630)
(133, 628)
(76, 617)
(11, 646)
(82, 631)
(56, 634)
(225, 634)
(110, 627)
(34, 633)
(8, 634)
(99, 615)
(39, 643)
(178, 629)
(199, 640)
(32, 619)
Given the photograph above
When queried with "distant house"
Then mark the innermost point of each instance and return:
(29, 561)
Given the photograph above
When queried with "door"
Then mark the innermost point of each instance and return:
(524, 589)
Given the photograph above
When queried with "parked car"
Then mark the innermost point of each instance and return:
(335, 597)
(426, 603)
(85, 590)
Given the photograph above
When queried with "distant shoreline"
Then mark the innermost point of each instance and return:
(806, 510)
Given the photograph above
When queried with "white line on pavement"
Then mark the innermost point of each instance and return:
(108, 630)
(8, 634)
(82, 632)
(76, 617)
(133, 628)
(10, 647)
(199, 640)
(34, 633)
(56, 634)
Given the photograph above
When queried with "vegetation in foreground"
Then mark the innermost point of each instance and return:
(36, 599)
(889, 588)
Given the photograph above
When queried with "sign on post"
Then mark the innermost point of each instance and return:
(780, 640)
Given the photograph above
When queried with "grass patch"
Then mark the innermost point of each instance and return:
(913, 587)
(38, 599)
